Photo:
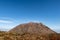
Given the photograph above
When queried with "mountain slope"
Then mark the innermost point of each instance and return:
(32, 28)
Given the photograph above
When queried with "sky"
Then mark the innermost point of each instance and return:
(15, 12)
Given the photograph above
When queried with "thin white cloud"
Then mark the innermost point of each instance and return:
(7, 18)
(5, 21)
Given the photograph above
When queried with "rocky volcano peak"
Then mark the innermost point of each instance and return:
(32, 28)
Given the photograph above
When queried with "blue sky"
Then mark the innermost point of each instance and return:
(15, 12)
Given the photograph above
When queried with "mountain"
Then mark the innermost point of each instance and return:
(32, 28)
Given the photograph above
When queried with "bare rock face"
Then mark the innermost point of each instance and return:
(32, 28)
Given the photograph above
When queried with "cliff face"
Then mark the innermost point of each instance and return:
(32, 28)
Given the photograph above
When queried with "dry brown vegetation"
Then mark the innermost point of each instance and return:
(27, 36)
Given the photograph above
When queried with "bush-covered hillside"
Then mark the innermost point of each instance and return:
(27, 36)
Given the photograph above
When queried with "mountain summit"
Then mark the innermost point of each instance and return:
(32, 28)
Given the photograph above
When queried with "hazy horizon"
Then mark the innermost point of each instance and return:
(15, 12)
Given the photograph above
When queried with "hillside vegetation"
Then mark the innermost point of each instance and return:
(27, 36)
